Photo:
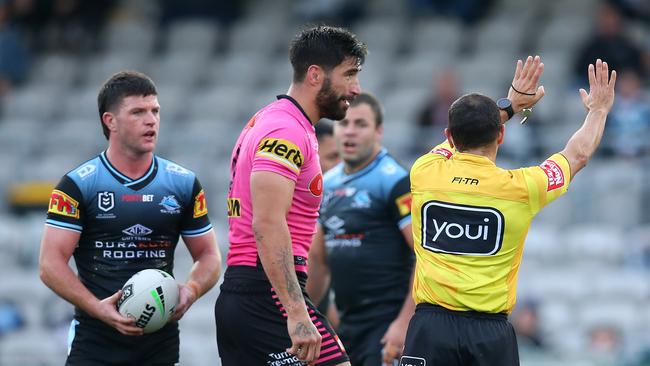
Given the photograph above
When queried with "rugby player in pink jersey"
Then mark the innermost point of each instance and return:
(263, 315)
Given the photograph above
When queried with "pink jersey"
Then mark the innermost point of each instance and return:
(280, 139)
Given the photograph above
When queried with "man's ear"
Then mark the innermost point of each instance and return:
(449, 138)
(502, 133)
(315, 75)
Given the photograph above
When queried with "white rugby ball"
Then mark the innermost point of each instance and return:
(150, 297)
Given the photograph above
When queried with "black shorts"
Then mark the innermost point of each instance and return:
(363, 342)
(252, 326)
(92, 343)
(438, 336)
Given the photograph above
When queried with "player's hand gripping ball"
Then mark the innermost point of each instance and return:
(150, 297)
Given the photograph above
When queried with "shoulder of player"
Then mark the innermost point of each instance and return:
(84, 170)
(171, 167)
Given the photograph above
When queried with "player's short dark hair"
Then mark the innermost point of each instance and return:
(324, 46)
(373, 102)
(324, 128)
(474, 121)
(119, 86)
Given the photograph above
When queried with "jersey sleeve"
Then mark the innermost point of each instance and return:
(444, 149)
(64, 210)
(281, 151)
(195, 219)
(547, 181)
(399, 202)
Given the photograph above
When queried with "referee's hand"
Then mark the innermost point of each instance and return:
(305, 338)
(525, 91)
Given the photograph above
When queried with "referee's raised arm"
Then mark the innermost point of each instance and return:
(598, 102)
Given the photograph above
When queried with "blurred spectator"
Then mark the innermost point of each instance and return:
(525, 320)
(467, 11)
(610, 44)
(340, 12)
(11, 317)
(434, 114)
(223, 11)
(636, 9)
(605, 343)
(14, 53)
(628, 127)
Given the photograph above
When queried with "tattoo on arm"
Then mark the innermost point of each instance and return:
(293, 288)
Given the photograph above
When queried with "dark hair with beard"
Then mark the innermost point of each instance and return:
(473, 121)
(119, 86)
(324, 46)
(373, 102)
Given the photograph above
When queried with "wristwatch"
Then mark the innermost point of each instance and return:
(506, 105)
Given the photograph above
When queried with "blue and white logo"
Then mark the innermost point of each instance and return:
(361, 200)
(170, 205)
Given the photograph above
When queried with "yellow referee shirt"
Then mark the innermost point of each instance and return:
(470, 220)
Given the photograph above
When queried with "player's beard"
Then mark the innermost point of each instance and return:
(329, 103)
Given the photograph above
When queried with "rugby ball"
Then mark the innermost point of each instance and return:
(150, 297)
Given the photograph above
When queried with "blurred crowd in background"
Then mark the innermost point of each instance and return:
(584, 292)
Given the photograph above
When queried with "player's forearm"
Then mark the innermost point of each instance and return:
(58, 276)
(408, 307)
(205, 273)
(274, 248)
(582, 145)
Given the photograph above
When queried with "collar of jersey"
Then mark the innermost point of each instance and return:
(472, 158)
(367, 169)
(295, 103)
(126, 181)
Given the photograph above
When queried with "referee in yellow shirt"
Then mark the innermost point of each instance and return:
(470, 220)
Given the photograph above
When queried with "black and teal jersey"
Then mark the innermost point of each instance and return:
(362, 215)
(126, 225)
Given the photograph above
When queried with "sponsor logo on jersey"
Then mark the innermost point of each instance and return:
(137, 230)
(403, 204)
(105, 200)
(137, 197)
(459, 229)
(316, 185)
(361, 200)
(127, 291)
(176, 169)
(64, 205)
(389, 169)
(465, 181)
(200, 205)
(283, 151)
(86, 170)
(442, 151)
(134, 248)
(554, 174)
(170, 205)
(234, 207)
(335, 224)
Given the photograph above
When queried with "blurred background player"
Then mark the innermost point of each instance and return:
(471, 218)
(363, 240)
(119, 213)
(328, 155)
(275, 193)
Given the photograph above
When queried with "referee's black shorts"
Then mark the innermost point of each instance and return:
(438, 336)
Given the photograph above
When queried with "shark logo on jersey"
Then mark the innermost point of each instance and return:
(137, 230)
(389, 169)
(170, 205)
(361, 200)
(105, 200)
